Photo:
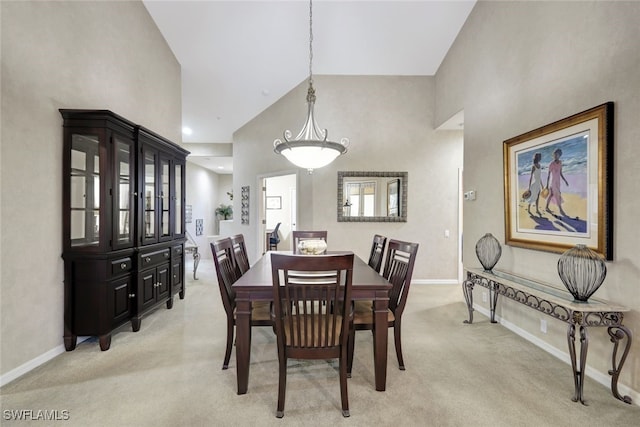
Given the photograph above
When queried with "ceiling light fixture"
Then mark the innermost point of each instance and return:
(310, 149)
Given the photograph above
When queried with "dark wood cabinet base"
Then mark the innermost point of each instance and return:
(105, 342)
(70, 342)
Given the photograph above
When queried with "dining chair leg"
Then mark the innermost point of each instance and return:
(282, 386)
(373, 336)
(350, 349)
(343, 385)
(398, 341)
(227, 355)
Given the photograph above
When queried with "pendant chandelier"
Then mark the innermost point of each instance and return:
(310, 149)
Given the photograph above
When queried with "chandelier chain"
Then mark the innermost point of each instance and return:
(310, 40)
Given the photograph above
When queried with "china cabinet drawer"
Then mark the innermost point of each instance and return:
(177, 251)
(121, 266)
(150, 259)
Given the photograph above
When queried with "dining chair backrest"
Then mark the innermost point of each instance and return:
(226, 271)
(398, 270)
(240, 254)
(310, 296)
(377, 252)
(307, 235)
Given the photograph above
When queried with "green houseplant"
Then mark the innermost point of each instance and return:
(224, 211)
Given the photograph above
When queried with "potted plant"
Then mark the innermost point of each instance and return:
(224, 211)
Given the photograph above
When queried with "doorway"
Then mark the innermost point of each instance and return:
(279, 206)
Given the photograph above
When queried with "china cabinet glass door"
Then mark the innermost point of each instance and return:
(165, 198)
(179, 223)
(85, 190)
(149, 196)
(123, 193)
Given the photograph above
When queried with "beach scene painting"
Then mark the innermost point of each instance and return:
(553, 186)
(557, 191)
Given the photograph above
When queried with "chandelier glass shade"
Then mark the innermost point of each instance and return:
(311, 148)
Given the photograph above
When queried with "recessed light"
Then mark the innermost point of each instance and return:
(220, 167)
(187, 130)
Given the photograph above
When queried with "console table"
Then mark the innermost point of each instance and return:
(191, 247)
(559, 304)
(196, 258)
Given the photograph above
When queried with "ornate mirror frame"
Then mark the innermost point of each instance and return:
(403, 178)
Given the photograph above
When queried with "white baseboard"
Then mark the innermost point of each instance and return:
(34, 363)
(602, 378)
(435, 282)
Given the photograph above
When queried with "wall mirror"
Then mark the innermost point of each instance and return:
(372, 196)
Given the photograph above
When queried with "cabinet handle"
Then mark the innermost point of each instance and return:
(123, 266)
(166, 254)
(132, 295)
(148, 259)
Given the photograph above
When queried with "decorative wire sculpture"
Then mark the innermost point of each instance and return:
(488, 250)
(582, 271)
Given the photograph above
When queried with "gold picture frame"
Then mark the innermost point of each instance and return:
(558, 188)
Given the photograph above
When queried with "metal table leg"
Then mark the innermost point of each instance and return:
(578, 369)
(467, 290)
(618, 333)
(196, 261)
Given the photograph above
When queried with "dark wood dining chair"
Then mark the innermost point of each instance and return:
(398, 269)
(377, 252)
(307, 235)
(227, 273)
(240, 253)
(305, 328)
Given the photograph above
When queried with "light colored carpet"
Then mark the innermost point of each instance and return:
(169, 374)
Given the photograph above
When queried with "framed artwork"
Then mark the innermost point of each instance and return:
(392, 197)
(244, 205)
(558, 187)
(274, 202)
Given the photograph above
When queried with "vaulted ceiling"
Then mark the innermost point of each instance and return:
(239, 57)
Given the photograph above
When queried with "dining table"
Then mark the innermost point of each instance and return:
(256, 285)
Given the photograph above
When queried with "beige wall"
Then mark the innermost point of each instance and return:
(517, 66)
(389, 122)
(104, 55)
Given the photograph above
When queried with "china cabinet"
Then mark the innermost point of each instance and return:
(123, 223)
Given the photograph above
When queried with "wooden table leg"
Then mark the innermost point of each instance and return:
(381, 305)
(243, 341)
